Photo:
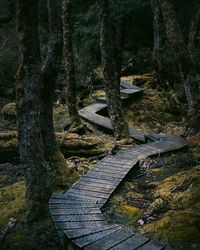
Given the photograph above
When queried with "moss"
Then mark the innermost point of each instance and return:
(64, 175)
(182, 181)
(130, 210)
(157, 170)
(180, 225)
(176, 227)
(12, 203)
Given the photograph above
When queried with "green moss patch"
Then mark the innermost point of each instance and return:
(12, 203)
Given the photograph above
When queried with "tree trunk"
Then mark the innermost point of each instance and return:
(188, 71)
(118, 43)
(194, 28)
(70, 86)
(49, 74)
(28, 109)
(157, 40)
(111, 83)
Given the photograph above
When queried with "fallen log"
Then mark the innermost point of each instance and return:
(70, 144)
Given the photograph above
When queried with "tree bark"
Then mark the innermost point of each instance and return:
(28, 110)
(188, 71)
(70, 86)
(194, 27)
(157, 40)
(118, 47)
(49, 74)
(111, 83)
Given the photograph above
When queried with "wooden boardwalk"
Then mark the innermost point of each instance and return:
(77, 213)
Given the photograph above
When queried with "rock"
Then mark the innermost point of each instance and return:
(141, 222)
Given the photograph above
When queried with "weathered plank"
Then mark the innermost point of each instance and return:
(152, 245)
(78, 218)
(111, 240)
(88, 187)
(72, 234)
(131, 243)
(78, 224)
(80, 211)
(89, 193)
(88, 239)
(108, 185)
(97, 180)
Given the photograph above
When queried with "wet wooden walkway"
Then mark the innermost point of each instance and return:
(77, 213)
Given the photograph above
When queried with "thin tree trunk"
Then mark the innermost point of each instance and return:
(28, 109)
(194, 28)
(49, 74)
(118, 42)
(70, 86)
(188, 71)
(111, 83)
(157, 40)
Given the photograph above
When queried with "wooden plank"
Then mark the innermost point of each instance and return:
(72, 234)
(91, 198)
(95, 195)
(81, 211)
(131, 243)
(88, 239)
(116, 173)
(79, 224)
(78, 218)
(89, 193)
(116, 160)
(63, 196)
(71, 206)
(135, 156)
(109, 164)
(57, 201)
(84, 198)
(108, 185)
(96, 180)
(103, 176)
(74, 225)
(88, 187)
(151, 245)
(111, 240)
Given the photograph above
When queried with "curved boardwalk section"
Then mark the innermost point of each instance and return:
(76, 213)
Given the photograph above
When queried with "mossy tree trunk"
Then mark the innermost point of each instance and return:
(28, 110)
(111, 83)
(187, 69)
(70, 86)
(49, 74)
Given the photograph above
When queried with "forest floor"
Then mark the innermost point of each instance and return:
(161, 199)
